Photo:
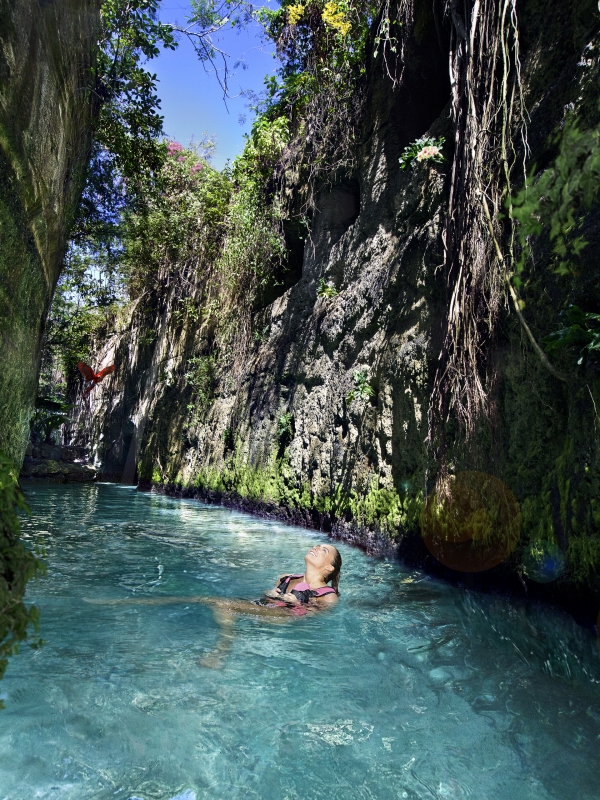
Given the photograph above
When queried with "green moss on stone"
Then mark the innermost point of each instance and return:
(273, 484)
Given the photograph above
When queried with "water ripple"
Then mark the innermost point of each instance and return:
(409, 689)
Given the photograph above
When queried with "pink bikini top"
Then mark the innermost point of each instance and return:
(302, 590)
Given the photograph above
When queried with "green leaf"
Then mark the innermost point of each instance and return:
(18, 565)
(553, 202)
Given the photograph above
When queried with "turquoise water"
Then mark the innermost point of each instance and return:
(409, 688)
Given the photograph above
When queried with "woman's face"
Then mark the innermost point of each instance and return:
(321, 556)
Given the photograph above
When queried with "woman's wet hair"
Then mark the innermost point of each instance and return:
(334, 576)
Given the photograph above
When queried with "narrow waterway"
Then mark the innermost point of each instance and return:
(409, 688)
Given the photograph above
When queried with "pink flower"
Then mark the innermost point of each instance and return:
(173, 147)
(428, 152)
(181, 158)
(196, 168)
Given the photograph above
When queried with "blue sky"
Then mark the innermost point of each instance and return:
(192, 101)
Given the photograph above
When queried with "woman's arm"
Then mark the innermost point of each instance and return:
(324, 601)
(290, 598)
(275, 592)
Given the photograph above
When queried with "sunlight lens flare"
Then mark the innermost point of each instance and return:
(543, 562)
(472, 522)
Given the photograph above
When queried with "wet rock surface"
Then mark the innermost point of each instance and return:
(52, 463)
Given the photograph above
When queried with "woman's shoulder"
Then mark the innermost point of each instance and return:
(328, 599)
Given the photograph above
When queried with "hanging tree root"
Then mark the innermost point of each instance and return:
(482, 33)
(490, 120)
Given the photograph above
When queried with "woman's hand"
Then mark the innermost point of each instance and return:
(274, 594)
(290, 598)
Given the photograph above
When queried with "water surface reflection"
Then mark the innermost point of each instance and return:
(409, 688)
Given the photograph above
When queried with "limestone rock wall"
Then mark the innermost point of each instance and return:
(280, 435)
(46, 116)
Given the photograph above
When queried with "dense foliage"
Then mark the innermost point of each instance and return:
(209, 240)
(579, 330)
(550, 212)
(129, 121)
(319, 87)
(128, 150)
(18, 565)
(126, 140)
(553, 202)
(133, 183)
(178, 227)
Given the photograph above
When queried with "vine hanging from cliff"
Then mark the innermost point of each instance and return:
(320, 87)
(394, 24)
(489, 116)
(254, 246)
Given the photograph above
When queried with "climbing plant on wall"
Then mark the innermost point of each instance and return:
(553, 202)
(320, 84)
(18, 565)
(487, 113)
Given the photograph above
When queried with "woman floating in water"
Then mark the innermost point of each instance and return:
(323, 563)
(294, 595)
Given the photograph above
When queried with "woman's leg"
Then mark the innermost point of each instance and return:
(146, 601)
(223, 603)
(248, 608)
(225, 621)
(224, 611)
